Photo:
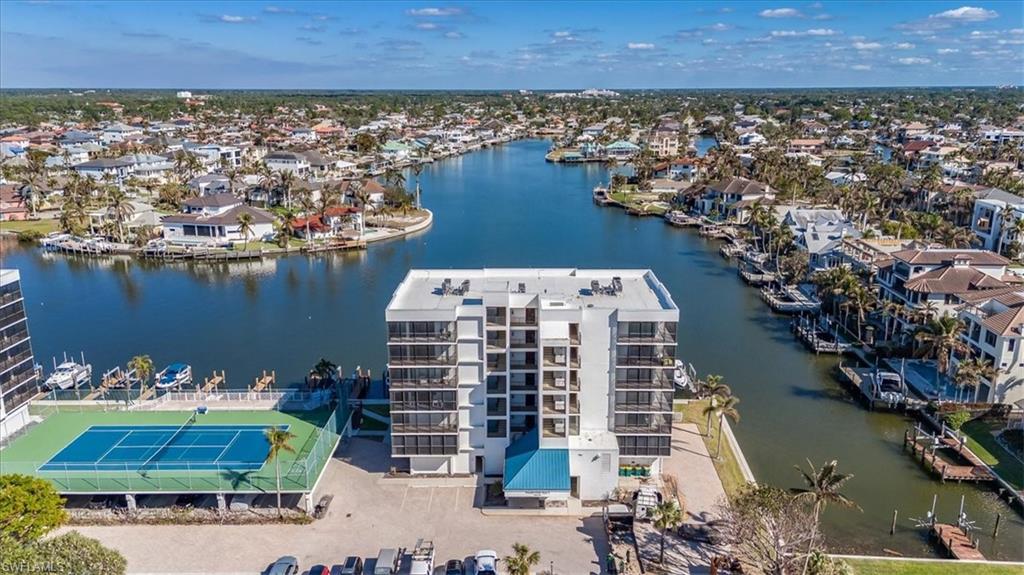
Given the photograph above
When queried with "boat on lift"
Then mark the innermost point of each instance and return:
(684, 376)
(174, 375)
(68, 374)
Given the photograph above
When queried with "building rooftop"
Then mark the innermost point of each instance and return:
(557, 288)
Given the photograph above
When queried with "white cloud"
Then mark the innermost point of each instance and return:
(719, 27)
(913, 61)
(453, 35)
(781, 13)
(562, 34)
(426, 26)
(947, 50)
(904, 46)
(800, 34)
(232, 19)
(434, 12)
(867, 45)
(278, 10)
(640, 46)
(861, 66)
(966, 14)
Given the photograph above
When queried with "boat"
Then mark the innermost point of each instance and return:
(69, 374)
(174, 375)
(731, 250)
(684, 376)
(681, 219)
(791, 299)
(887, 386)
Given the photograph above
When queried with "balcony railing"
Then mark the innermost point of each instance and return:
(659, 336)
(653, 407)
(648, 383)
(523, 320)
(423, 405)
(496, 319)
(524, 344)
(15, 360)
(658, 429)
(646, 360)
(423, 360)
(424, 382)
(424, 428)
(523, 408)
(424, 336)
(551, 430)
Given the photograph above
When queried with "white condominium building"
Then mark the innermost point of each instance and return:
(552, 379)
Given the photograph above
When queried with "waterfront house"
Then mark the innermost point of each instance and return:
(995, 218)
(994, 330)
(143, 214)
(213, 220)
(667, 186)
(936, 279)
(819, 233)
(733, 197)
(869, 254)
(149, 166)
(335, 222)
(396, 151)
(688, 169)
(751, 139)
(573, 370)
(621, 150)
(209, 184)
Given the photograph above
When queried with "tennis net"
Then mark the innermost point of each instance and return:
(191, 419)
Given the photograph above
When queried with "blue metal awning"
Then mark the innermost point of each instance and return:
(530, 468)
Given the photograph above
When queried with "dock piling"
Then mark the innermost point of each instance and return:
(892, 528)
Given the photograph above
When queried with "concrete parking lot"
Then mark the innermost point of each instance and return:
(368, 513)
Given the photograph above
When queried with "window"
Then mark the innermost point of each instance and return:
(496, 428)
(990, 338)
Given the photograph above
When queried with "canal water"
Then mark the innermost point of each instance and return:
(507, 207)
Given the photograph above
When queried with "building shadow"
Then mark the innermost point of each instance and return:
(366, 454)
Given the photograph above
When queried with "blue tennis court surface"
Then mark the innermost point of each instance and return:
(163, 447)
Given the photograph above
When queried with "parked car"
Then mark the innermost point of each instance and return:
(387, 562)
(352, 566)
(286, 565)
(485, 562)
(319, 570)
(454, 567)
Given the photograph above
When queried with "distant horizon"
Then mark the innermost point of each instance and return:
(502, 45)
(201, 90)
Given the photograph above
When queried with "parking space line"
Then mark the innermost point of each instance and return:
(404, 495)
(430, 498)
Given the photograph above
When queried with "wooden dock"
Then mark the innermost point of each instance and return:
(211, 383)
(956, 542)
(201, 255)
(755, 276)
(265, 382)
(336, 246)
(923, 447)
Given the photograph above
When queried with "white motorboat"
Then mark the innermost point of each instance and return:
(887, 386)
(684, 376)
(174, 375)
(68, 375)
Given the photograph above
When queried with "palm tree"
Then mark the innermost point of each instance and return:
(278, 438)
(245, 226)
(822, 488)
(142, 365)
(727, 408)
(980, 369)
(713, 388)
(120, 208)
(521, 560)
(285, 181)
(941, 339)
(306, 203)
(284, 228)
(667, 516)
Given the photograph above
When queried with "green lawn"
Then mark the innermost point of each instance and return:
(41, 226)
(49, 437)
(981, 441)
(895, 567)
(728, 467)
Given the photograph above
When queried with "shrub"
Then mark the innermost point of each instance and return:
(958, 418)
(29, 508)
(29, 236)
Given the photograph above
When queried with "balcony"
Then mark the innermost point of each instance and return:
(496, 362)
(659, 360)
(496, 407)
(555, 405)
(524, 317)
(496, 340)
(496, 317)
(555, 428)
(574, 333)
(524, 408)
(652, 429)
(410, 379)
(421, 331)
(555, 357)
(496, 385)
(436, 405)
(653, 407)
(423, 355)
(448, 427)
(523, 383)
(524, 340)
(660, 334)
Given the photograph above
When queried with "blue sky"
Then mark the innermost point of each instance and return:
(501, 45)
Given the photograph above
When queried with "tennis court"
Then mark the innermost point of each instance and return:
(165, 451)
(164, 447)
